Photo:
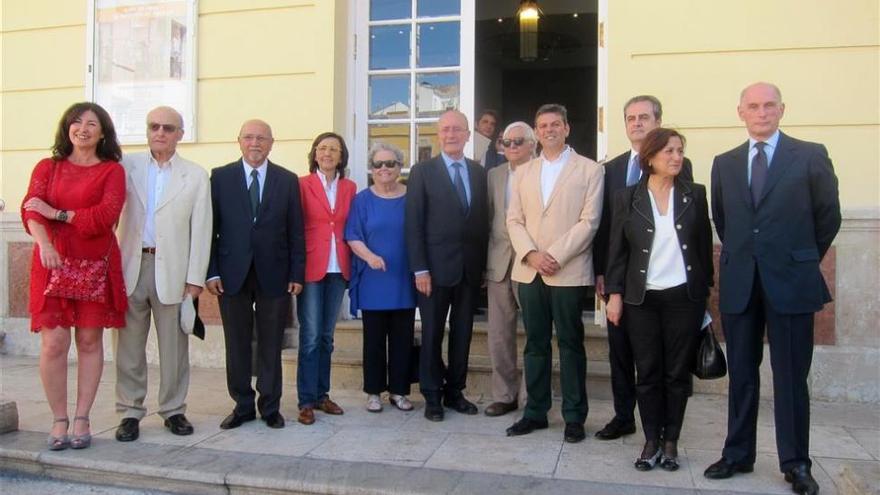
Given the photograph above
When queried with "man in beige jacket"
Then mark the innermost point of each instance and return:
(554, 213)
(519, 143)
(165, 239)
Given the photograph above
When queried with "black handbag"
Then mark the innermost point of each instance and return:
(710, 362)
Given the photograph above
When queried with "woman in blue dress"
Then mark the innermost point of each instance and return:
(381, 284)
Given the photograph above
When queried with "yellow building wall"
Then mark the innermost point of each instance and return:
(278, 60)
(697, 55)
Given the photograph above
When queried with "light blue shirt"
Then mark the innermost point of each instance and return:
(768, 150)
(157, 177)
(261, 175)
(464, 173)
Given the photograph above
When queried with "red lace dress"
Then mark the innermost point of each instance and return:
(95, 194)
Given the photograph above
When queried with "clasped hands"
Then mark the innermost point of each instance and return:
(543, 263)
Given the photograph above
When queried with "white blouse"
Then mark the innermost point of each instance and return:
(666, 264)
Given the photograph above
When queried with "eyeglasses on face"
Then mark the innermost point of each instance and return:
(385, 163)
(326, 149)
(255, 137)
(169, 128)
(507, 143)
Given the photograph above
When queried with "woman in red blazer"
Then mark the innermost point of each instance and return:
(326, 199)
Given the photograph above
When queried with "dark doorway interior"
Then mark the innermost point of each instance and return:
(564, 71)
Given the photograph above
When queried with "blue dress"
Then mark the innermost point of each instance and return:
(378, 223)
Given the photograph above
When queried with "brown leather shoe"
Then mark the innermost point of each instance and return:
(500, 408)
(328, 406)
(306, 416)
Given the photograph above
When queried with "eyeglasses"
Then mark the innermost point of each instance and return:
(325, 149)
(169, 128)
(507, 143)
(385, 163)
(257, 138)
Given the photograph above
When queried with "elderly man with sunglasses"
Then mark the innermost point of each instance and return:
(164, 234)
(518, 142)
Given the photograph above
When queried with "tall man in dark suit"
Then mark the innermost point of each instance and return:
(447, 227)
(776, 209)
(641, 115)
(257, 261)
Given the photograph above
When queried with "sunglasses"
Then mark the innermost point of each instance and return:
(169, 128)
(385, 163)
(507, 143)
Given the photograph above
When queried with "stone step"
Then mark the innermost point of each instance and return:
(347, 374)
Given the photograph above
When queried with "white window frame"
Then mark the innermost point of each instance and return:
(465, 69)
(189, 112)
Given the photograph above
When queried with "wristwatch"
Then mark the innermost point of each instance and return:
(61, 216)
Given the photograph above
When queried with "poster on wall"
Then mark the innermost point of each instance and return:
(143, 57)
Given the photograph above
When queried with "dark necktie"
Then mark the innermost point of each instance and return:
(254, 193)
(759, 172)
(632, 175)
(459, 186)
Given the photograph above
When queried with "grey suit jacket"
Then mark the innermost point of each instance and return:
(500, 253)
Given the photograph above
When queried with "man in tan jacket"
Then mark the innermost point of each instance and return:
(519, 143)
(165, 239)
(554, 213)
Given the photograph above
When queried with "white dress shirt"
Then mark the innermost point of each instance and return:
(666, 264)
(550, 171)
(157, 178)
(261, 175)
(330, 190)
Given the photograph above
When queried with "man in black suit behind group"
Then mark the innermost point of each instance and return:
(257, 261)
(641, 114)
(776, 209)
(447, 227)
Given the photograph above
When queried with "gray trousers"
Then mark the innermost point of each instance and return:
(131, 356)
(507, 384)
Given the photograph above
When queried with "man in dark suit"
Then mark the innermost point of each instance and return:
(641, 114)
(447, 227)
(776, 210)
(257, 261)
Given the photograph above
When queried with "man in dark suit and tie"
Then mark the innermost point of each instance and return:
(447, 227)
(257, 261)
(776, 210)
(641, 114)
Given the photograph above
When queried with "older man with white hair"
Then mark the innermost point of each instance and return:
(518, 142)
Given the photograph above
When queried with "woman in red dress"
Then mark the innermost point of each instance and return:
(71, 209)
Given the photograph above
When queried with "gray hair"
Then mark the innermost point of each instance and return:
(380, 146)
(657, 107)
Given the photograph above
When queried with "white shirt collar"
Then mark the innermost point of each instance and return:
(771, 141)
(562, 158)
(324, 179)
(261, 170)
(170, 162)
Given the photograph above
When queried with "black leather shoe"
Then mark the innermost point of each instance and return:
(801, 480)
(724, 469)
(574, 432)
(179, 425)
(234, 420)
(460, 405)
(616, 429)
(526, 426)
(500, 408)
(434, 411)
(128, 430)
(274, 420)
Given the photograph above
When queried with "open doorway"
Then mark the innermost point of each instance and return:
(562, 67)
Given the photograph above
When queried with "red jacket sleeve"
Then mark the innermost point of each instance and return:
(38, 188)
(99, 219)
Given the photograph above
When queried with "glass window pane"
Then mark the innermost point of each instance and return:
(436, 93)
(389, 47)
(395, 134)
(389, 97)
(382, 10)
(430, 8)
(426, 141)
(439, 44)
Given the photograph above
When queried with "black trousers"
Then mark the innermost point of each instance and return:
(790, 338)
(387, 368)
(623, 373)
(664, 332)
(239, 312)
(435, 377)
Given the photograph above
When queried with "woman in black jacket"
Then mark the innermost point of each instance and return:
(658, 278)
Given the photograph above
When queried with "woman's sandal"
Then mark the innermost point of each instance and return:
(81, 441)
(646, 461)
(59, 443)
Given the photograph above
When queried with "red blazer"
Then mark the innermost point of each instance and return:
(321, 220)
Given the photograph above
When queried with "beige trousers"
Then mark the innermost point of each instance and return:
(131, 356)
(507, 384)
